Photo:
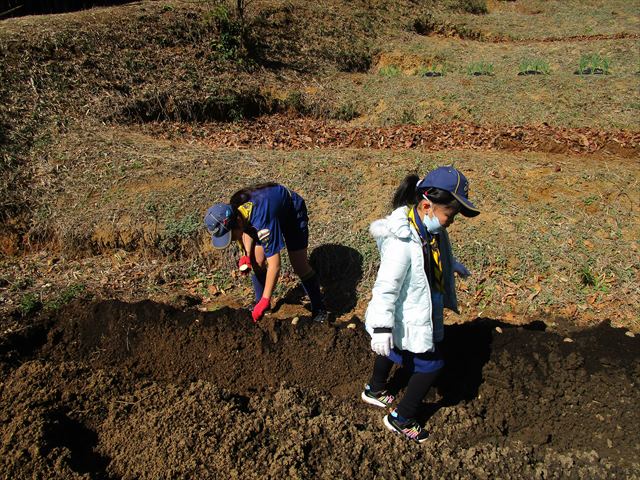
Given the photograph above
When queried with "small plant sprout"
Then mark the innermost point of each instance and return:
(477, 69)
(593, 64)
(534, 66)
(433, 70)
(408, 117)
(390, 71)
(346, 112)
(29, 303)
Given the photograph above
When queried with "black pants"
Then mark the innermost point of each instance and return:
(417, 388)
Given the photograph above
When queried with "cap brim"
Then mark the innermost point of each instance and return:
(468, 209)
(222, 241)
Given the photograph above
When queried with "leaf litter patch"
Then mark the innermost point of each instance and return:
(157, 391)
(286, 133)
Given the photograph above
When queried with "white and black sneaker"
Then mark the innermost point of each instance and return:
(379, 399)
(408, 428)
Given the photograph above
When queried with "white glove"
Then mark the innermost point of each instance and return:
(382, 343)
(460, 269)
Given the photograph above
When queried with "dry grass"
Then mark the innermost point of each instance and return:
(533, 19)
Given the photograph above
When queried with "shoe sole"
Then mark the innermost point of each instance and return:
(372, 401)
(393, 429)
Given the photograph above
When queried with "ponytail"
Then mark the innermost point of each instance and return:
(406, 194)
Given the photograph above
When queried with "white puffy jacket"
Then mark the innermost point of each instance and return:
(401, 297)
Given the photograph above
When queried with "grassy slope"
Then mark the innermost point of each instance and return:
(554, 235)
(561, 98)
(180, 60)
(542, 247)
(554, 18)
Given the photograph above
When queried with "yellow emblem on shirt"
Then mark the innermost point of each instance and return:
(245, 210)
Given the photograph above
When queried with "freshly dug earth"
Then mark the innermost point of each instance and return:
(117, 390)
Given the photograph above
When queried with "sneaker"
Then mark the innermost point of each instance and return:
(320, 316)
(410, 429)
(379, 399)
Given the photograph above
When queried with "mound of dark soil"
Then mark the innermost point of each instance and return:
(117, 390)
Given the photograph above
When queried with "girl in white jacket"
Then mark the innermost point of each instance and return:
(414, 284)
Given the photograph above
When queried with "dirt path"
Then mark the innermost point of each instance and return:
(572, 38)
(281, 132)
(117, 390)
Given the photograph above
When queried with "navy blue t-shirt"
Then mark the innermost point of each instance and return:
(266, 211)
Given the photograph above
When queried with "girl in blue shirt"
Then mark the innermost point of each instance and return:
(264, 219)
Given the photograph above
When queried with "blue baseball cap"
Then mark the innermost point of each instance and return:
(454, 182)
(218, 221)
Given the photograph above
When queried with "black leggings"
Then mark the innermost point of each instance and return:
(417, 388)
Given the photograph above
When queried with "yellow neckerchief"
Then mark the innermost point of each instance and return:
(412, 219)
(245, 210)
(435, 250)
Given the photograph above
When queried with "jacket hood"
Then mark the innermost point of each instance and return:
(394, 225)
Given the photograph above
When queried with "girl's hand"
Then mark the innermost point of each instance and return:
(244, 264)
(460, 269)
(261, 307)
(382, 343)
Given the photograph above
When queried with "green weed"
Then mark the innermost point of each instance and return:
(29, 303)
(229, 44)
(184, 227)
(408, 117)
(22, 284)
(476, 7)
(534, 66)
(354, 57)
(589, 200)
(178, 230)
(151, 207)
(589, 279)
(346, 112)
(480, 68)
(594, 282)
(390, 71)
(297, 102)
(593, 64)
(66, 296)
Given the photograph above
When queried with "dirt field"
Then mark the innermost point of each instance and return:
(118, 390)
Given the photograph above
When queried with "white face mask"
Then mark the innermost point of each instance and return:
(432, 224)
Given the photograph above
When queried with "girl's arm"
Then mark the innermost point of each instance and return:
(247, 243)
(273, 270)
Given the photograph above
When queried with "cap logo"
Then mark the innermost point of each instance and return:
(215, 225)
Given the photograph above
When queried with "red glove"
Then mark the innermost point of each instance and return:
(244, 264)
(261, 307)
